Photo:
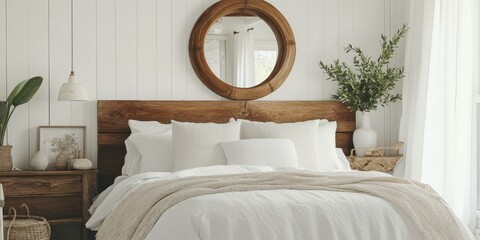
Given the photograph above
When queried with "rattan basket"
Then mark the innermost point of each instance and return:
(6, 158)
(25, 227)
(375, 162)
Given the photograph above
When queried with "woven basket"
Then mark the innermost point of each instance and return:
(25, 227)
(381, 164)
(5, 158)
(377, 162)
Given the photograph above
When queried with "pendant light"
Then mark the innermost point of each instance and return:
(72, 90)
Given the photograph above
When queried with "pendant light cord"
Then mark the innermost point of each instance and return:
(71, 32)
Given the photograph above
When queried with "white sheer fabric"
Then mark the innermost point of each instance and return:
(437, 118)
(244, 59)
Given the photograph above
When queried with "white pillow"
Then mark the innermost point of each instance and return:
(147, 126)
(132, 159)
(156, 151)
(304, 136)
(133, 156)
(273, 152)
(327, 155)
(344, 163)
(198, 144)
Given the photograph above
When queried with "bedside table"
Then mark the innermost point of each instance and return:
(62, 197)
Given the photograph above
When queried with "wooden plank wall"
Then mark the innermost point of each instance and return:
(137, 50)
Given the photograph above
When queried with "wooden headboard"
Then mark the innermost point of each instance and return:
(113, 119)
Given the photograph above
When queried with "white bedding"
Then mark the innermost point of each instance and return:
(280, 214)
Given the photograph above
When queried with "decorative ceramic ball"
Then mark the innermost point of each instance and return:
(82, 164)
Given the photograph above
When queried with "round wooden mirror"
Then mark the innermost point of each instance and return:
(208, 48)
(241, 50)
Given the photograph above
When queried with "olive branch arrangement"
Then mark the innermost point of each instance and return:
(368, 83)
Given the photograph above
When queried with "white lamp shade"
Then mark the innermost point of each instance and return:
(73, 90)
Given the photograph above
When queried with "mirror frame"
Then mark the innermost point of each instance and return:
(280, 27)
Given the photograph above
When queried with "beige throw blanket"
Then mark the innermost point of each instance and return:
(135, 216)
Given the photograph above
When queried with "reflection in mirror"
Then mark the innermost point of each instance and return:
(241, 51)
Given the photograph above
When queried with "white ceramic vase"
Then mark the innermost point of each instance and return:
(39, 162)
(364, 136)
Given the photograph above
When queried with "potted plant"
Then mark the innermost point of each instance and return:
(367, 84)
(22, 93)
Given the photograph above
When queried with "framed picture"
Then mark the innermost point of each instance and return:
(61, 141)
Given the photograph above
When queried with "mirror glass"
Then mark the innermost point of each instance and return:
(241, 50)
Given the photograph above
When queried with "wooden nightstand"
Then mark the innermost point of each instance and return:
(62, 197)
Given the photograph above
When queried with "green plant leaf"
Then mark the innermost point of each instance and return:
(3, 111)
(27, 92)
(15, 92)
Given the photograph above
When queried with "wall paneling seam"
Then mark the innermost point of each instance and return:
(186, 52)
(323, 49)
(171, 49)
(49, 61)
(116, 46)
(156, 49)
(308, 52)
(136, 46)
(6, 58)
(96, 49)
(28, 75)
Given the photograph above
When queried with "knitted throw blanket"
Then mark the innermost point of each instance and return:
(136, 214)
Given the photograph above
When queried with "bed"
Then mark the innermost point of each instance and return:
(243, 201)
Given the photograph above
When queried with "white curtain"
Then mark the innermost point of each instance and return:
(244, 59)
(438, 101)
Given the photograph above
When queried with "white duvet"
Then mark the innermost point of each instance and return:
(279, 214)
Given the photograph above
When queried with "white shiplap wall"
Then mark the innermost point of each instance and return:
(137, 49)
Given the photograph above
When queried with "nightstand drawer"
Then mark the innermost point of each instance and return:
(47, 207)
(41, 185)
(62, 197)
